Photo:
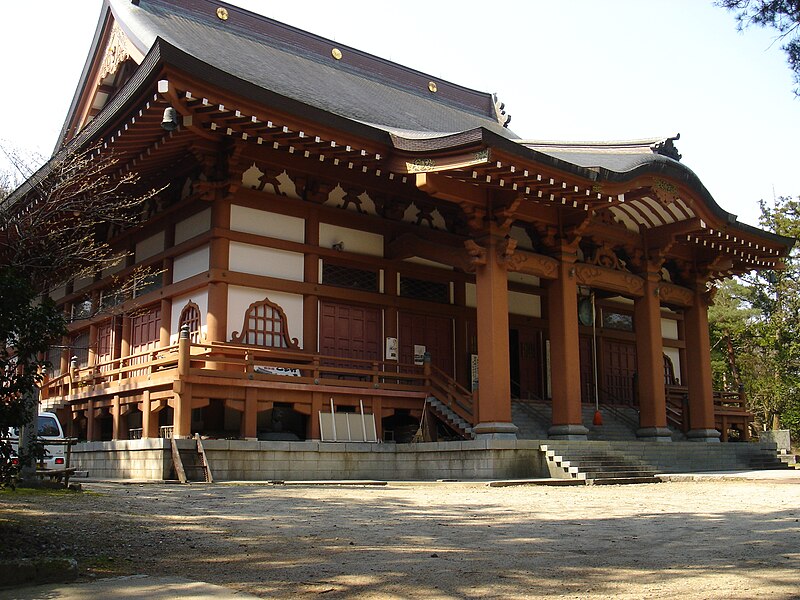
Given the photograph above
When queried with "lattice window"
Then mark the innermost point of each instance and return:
(82, 309)
(433, 291)
(79, 348)
(190, 315)
(669, 371)
(265, 324)
(147, 284)
(349, 277)
(615, 320)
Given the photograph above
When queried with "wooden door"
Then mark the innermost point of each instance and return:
(106, 339)
(530, 363)
(586, 369)
(433, 332)
(144, 336)
(619, 369)
(348, 331)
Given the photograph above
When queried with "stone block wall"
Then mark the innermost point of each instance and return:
(682, 457)
(492, 459)
(240, 460)
(147, 459)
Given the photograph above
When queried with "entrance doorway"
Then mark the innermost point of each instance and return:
(349, 331)
(616, 360)
(432, 331)
(526, 364)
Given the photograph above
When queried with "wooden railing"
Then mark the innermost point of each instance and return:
(141, 364)
(677, 397)
(730, 411)
(447, 391)
(287, 367)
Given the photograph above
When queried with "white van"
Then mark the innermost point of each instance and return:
(48, 428)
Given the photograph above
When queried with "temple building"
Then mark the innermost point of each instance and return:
(342, 235)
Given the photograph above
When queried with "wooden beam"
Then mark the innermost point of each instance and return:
(408, 245)
(445, 188)
(666, 234)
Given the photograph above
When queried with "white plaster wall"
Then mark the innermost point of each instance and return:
(524, 278)
(359, 242)
(428, 263)
(240, 298)
(192, 226)
(669, 329)
(81, 283)
(190, 264)
(58, 293)
(115, 268)
(529, 305)
(522, 238)
(150, 246)
(675, 355)
(261, 222)
(472, 295)
(199, 297)
(257, 260)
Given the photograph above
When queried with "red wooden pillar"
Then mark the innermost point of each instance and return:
(149, 418)
(217, 320)
(316, 408)
(311, 275)
(166, 304)
(565, 382)
(250, 414)
(92, 431)
(650, 363)
(698, 355)
(182, 403)
(377, 410)
(493, 414)
(116, 418)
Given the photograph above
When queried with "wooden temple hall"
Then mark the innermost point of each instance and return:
(341, 234)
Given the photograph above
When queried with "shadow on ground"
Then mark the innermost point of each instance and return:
(467, 541)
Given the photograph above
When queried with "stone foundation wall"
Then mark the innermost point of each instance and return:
(149, 459)
(490, 459)
(240, 460)
(683, 457)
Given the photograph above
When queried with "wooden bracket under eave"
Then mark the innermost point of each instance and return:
(452, 190)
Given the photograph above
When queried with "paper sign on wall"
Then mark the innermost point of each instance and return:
(473, 371)
(419, 354)
(391, 348)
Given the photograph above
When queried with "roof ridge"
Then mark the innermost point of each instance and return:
(644, 142)
(315, 47)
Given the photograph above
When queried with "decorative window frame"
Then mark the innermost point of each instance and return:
(194, 334)
(278, 315)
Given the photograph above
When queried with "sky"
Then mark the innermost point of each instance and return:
(566, 70)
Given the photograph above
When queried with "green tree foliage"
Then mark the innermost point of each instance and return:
(54, 228)
(28, 325)
(755, 330)
(781, 15)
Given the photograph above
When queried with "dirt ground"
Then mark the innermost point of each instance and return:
(428, 540)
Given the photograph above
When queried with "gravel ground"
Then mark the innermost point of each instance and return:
(723, 539)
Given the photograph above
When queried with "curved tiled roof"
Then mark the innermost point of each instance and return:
(299, 65)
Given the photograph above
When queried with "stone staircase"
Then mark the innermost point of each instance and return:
(531, 418)
(534, 418)
(596, 466)
(448, 416)
(619, 422)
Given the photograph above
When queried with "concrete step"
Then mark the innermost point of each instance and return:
(623, 480)
(621, 474)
